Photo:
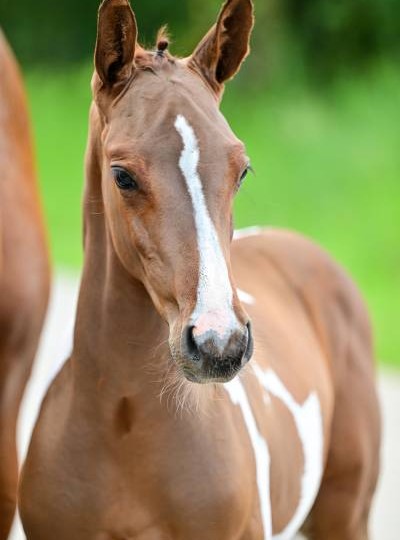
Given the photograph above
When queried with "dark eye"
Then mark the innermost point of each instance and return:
(123, 179)
(244, 174)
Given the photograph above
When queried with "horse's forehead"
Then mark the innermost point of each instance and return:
(154, 101)
(143, 127)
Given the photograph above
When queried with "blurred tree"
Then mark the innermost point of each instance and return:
(323, 35)
(343, 34)
(49, 31)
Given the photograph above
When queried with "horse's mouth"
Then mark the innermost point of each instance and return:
(216, 377)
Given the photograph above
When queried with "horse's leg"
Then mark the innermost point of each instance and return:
(343, 505)
(14, 372)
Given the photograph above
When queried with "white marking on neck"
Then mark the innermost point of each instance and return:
(238, 396)
(245, 297)
(247, 232)
(308, 421)
(214, 290)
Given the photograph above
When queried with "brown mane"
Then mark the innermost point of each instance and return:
(155, 59)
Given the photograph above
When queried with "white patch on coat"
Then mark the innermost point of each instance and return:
(17, 531)
(247, 232)
(238, 396)
(245, 297)
(308, 421)
(214, 290)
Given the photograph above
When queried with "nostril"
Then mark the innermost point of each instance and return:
(248, 326)
(190, 343)
(250, 344)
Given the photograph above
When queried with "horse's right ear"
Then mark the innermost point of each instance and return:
(116, 42)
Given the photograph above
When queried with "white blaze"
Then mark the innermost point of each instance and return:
(214, 290)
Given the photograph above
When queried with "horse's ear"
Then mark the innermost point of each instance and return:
(116, 41)
(221, 52)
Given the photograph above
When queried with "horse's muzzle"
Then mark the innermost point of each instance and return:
(215, 358)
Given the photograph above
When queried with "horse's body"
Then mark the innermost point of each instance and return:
(134, 468)
(119, 453)
(24, 273)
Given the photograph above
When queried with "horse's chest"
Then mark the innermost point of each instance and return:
(242, 471)
(158, 506)
(175, 481)
(252, 468)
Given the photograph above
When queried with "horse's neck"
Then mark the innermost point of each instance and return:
(118, 333)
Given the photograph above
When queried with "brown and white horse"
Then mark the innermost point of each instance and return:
(292, 442)
(24, 271)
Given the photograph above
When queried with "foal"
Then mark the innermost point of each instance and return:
(24, 271)
(293, 444)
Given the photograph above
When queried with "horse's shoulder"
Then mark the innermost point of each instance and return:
(301, 261)
(328, 294)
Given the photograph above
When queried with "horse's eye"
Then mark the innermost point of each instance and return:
(244, 174)
(123, 179)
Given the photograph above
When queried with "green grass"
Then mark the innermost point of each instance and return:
(60, 108)
(327, 164)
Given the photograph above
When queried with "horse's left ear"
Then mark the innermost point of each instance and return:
(221, 52)
(116, 42)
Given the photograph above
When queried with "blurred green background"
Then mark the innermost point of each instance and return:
(317, 103)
